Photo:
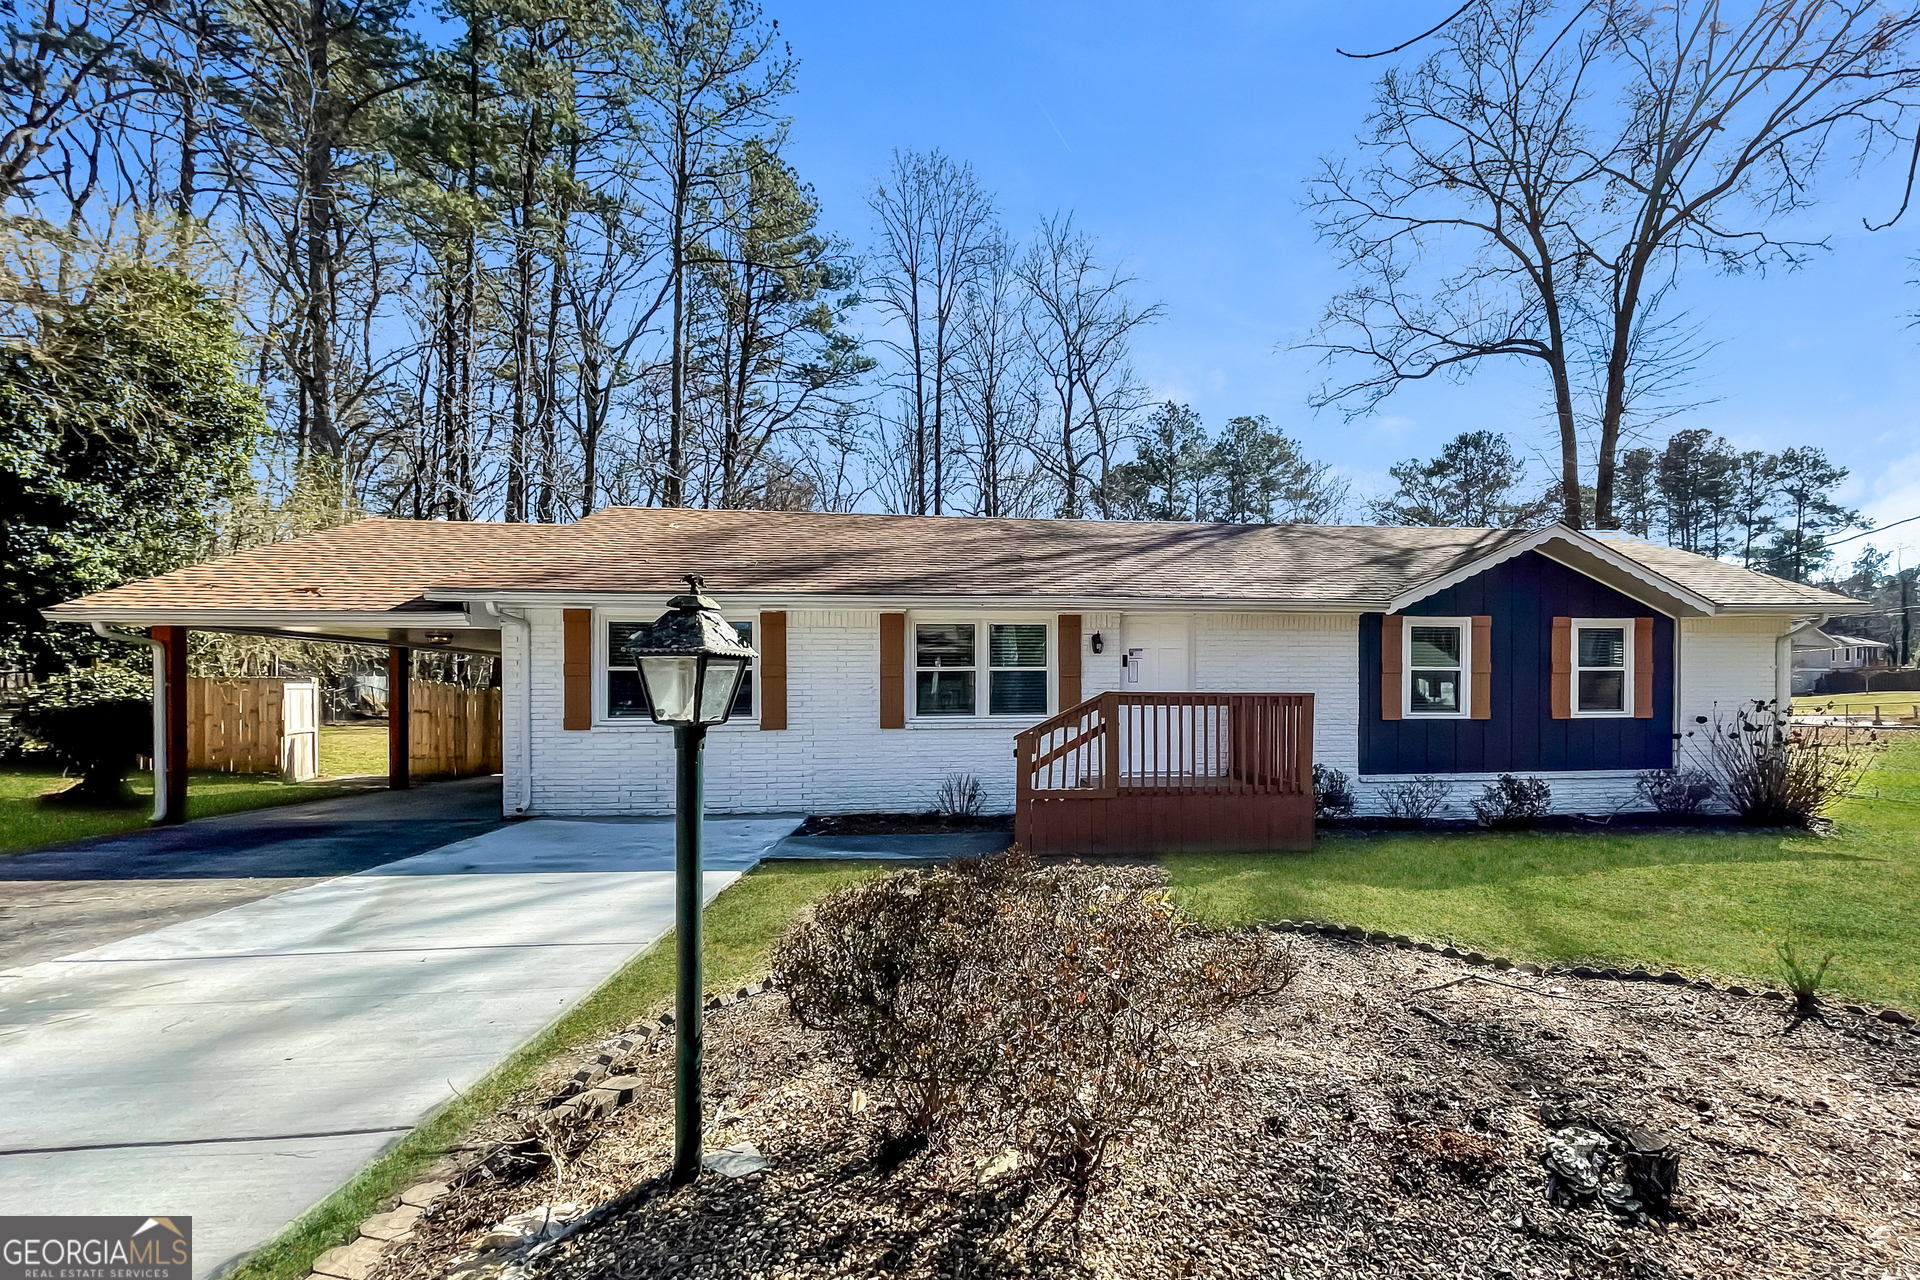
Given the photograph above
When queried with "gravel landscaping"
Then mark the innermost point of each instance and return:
(1386, 1115)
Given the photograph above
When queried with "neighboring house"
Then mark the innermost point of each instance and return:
(1817, 653)
(897, 650)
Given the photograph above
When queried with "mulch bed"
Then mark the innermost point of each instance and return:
(1370, 1122)
(898, 824)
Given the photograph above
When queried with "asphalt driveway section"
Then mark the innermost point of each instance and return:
(64, 900)
(240, 1066)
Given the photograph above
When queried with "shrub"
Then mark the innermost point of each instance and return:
(1510, 800)
(1805, 978)
(1045, 1004)
(1418, 798)
(1774, 774)
(98, 721)
(1332, 793)
(1675, 792)
(960, 796)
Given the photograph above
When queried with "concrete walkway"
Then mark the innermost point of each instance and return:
(239, 1066)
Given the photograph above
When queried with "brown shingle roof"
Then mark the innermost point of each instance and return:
(380, 565)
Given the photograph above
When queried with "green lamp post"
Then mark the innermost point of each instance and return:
(691, 664)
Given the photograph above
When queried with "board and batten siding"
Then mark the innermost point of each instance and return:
(1520, 734)
(834, 757)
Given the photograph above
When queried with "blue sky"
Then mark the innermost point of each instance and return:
(1180, 136)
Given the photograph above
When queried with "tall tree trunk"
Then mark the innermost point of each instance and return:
(319, 231)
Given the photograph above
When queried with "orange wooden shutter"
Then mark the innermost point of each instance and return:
(1069, 661)
(1561, 694)
(1643, 668)
(893, 671)
(576, 669)
(1393, 648)
(773, 670)
(1482, 692)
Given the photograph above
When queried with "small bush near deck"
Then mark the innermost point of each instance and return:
(1776, 775)
(1043, 1004)
(1332, 793)
(1675, 792)
(1418, 798)
(1509, 800)
(960, 796)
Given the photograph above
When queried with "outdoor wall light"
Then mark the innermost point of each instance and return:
(1099, 645)
(691, 663)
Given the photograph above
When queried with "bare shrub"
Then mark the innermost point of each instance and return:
(1676, 792)
(1046, 1005)
(1510, 799)
(960, 796)
(1418, 798)
(1332, 793)
(1774, 774)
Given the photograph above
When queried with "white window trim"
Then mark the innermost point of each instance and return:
(983, 676)
(603, 662)
(1408, 622)
(1574, 668)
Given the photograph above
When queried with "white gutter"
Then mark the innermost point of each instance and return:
(524, 627)
(105, 632)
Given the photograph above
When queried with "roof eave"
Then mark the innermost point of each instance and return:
(557, 597)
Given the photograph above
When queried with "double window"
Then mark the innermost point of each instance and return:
(1437, 666)
(627, 698)
(1602, 666)
(958, 666)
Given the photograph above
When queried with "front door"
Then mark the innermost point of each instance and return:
(1159, 653)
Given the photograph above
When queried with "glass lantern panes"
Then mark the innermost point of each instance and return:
(1017, 683)
(944, 659)
(1601, 674)
(1434, 664)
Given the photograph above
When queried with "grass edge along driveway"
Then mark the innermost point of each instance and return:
(741, 925)
(1710, 903)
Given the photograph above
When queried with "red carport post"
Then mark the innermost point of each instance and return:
(174, 670)
(399, 716)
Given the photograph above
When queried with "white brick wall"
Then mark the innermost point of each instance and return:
(834, 758)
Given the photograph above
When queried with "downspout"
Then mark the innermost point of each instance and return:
(105, 632)
(525, 629)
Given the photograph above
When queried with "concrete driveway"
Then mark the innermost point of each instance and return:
(239, 1066)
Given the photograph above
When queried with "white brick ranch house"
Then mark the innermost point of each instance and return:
(898, 650)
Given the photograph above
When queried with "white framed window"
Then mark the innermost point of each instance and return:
(621, 693)
(985, 667)
(1602, 667)
(1438, 668)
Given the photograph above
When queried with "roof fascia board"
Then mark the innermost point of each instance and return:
(1690, 602)
(221, 619)
(956, 600)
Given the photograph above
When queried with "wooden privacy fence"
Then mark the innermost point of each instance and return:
(453, 731)
(1132, 773)
(254, 726)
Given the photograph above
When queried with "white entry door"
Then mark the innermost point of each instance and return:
(1159, 653)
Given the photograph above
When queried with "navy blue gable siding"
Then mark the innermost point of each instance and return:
(1523, 597)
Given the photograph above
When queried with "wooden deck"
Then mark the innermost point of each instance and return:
(1145, 773)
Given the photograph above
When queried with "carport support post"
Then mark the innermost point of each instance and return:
(690, 800)
(399, 716)
(173, 659)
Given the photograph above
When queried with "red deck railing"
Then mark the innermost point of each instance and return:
(1155, 772)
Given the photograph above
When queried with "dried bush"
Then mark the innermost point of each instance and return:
(960, 796)
(1513, 800)
(1418, 798)
(98, 721)
(1043, 1004)
(1774, 774)
(1332, 793)
(1676, 792)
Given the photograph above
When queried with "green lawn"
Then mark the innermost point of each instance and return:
(1709, 903)
(347, 750)
(741, 925)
